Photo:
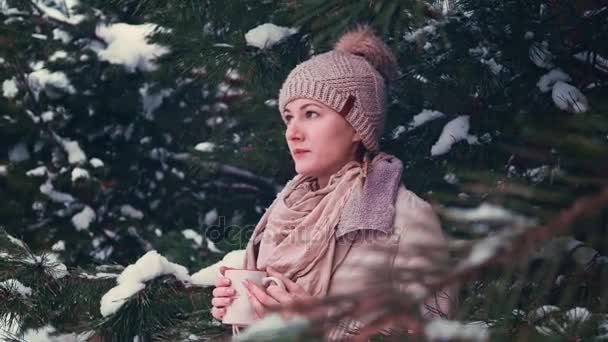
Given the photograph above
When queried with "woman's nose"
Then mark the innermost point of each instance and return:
(293, 132)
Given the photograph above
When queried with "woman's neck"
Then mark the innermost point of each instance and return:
(358, 155)
(322, 182)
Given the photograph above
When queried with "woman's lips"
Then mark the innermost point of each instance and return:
(299, 153)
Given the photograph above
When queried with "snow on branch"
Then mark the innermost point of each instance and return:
(133, 278)
(128, 45)
(454, 131)
(60, 11)
(267, 35)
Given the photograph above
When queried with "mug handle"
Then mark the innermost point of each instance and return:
(267, 280)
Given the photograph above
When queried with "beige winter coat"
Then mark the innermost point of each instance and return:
(415, 223)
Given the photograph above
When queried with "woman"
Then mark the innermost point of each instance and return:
(347, 195)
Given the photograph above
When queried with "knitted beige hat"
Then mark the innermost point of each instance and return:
(351, 79)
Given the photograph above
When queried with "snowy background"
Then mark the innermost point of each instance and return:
(140, 143)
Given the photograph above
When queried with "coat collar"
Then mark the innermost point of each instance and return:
(372, 204)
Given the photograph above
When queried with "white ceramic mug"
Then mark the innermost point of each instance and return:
(240, 311)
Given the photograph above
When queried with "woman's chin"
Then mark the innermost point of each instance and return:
(305, 171)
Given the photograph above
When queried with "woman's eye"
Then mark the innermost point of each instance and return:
(287, 118)
(311, 114)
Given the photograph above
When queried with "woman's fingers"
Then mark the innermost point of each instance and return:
(221, 301)
(292, 287)
(218, 313)
(223, 291)
(222, 281)
(279, 294)
(259, 293)
(257, 306)
(258, 298)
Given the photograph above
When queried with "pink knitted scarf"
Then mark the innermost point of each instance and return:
(297, 235)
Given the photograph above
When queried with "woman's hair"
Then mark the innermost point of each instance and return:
(360, 152)
(351, 79)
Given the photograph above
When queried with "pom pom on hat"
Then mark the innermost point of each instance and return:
(362, 41)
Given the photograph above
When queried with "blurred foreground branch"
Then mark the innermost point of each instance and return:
(384, 303)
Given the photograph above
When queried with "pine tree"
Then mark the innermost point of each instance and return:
(500, 105)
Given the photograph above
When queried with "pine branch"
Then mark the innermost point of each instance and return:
(73, 300)
(73, 29)
(224, 170)
(392, 305)
(327, 19)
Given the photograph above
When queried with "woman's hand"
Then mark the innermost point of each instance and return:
(223, 295)
(262, 300)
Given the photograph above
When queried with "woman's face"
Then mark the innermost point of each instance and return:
(320, 140)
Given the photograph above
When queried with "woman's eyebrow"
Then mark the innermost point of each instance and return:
(304, 106)
(309, 104)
